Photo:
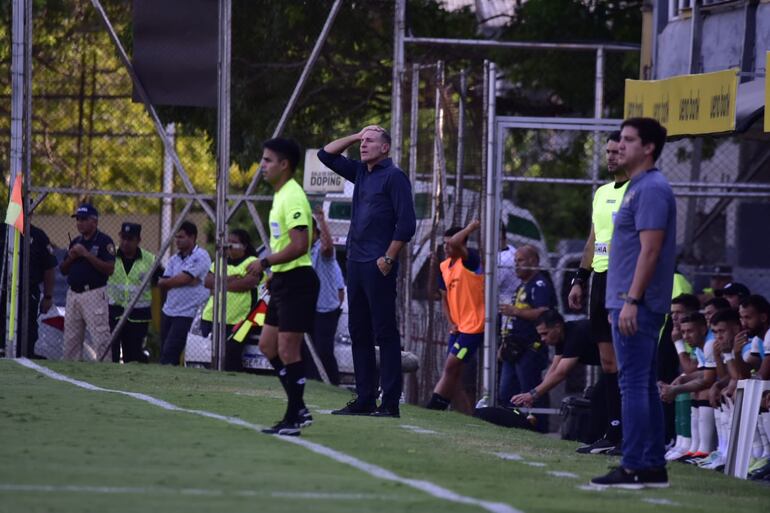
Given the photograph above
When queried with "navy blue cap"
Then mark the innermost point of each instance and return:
(86, 210)
(130, 230)
(733, 289)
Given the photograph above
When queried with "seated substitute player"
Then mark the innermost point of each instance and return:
(573, 344)
(293, 286)
(754, 311)
(462, 297)
(693, 328)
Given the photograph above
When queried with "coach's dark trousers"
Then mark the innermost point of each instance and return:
(372, 321)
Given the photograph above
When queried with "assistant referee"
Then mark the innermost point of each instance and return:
(294, 285)
(606, 203)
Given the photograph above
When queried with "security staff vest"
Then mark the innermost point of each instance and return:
(121, 287)
(607, 201)
(238, 303)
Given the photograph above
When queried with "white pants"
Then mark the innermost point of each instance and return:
(86, 310)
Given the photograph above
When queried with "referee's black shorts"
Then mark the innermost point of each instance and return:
(293, 296)
(600, 325)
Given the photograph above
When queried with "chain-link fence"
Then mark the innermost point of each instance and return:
(92, 143)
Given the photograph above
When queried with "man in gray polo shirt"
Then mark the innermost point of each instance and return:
(183, 282)
(639, 283)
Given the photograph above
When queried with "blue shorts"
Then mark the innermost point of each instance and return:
(464, 345)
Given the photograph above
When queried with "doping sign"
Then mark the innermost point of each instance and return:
(320, 179)
(687, 104)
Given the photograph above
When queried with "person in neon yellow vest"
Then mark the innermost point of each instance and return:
(132, 264)
(241, 294)
(606, 203)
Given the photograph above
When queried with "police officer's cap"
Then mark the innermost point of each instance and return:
(130, 230)
(734, 289)
(86, 210)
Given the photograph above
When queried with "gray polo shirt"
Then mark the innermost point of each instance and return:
(647, 205)
(185, 301)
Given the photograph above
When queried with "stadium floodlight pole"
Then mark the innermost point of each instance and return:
(396, 118)
(168, 145)
(16, 151)
(219, 325)
(309, 65)
(147, 278)
(492, 241)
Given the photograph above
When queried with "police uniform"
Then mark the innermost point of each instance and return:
(87, 305)
(41, 259)
(122, 286)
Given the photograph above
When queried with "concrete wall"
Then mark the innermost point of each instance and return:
(763, 36)
(722, 40)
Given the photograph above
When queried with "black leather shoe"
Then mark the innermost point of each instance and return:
(385, 411)
(354, 408)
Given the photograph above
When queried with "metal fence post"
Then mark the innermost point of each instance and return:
(219, 325)
(492, 240)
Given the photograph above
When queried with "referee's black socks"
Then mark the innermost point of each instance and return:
(295, 389)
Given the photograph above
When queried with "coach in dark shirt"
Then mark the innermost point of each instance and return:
(382, 221)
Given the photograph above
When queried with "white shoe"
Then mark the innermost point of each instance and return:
(675, 454)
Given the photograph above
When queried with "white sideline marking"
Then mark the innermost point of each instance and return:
(418, 429)
(324, 412)
(373, 470)
(662, 502)
(561, 473)
(125, 490)
(534, 463)
(591, 488)
(512, 456)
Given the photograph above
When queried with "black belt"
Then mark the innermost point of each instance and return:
(84, 288)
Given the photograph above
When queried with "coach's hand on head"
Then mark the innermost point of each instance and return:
(375, 128)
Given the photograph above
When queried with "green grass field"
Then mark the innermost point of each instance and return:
(68, 449)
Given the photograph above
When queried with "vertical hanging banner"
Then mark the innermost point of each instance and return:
(686, 104)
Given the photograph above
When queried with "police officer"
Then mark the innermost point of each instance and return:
(42, 263)
(89, 263)
(132, 265)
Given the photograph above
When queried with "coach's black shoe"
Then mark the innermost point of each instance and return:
(654, 477)
(283, 428)
(386, 411)
(619, 478)
(305, 419)
(354, 408)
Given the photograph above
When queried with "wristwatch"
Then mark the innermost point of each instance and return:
(265, 263)
(631, 300)
(533, 393)
(388, 260)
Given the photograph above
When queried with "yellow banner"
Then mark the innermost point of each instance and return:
(767, 94)
(687, 104)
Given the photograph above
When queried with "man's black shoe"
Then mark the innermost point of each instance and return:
(600, 446)
(619, 478)
(385, 411)
(654, 477)
(283, 428)
(354, 408)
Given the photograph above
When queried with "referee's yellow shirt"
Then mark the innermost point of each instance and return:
(290, 209)
(607, 201)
